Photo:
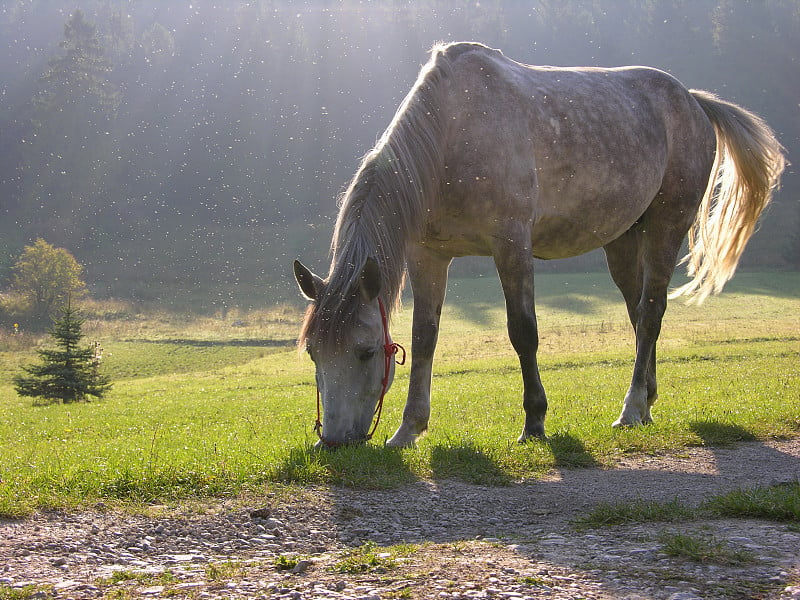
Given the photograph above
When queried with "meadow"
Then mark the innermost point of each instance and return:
(213, 407)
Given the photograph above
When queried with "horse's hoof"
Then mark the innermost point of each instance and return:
(399, 440)
(393, 443)
(532, 432)
(404, 437)
(621, 424)
(527, 437)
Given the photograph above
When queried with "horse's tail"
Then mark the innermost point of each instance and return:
(747, 167)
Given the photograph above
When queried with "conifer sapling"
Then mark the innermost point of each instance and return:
(69, 373)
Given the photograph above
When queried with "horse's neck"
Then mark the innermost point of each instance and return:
(379, 235)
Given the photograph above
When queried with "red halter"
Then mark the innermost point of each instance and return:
(390, 348)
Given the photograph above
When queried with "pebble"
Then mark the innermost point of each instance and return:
(792, 592)
(152, 591)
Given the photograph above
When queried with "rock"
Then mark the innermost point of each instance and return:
(66, 585)
(260, 513)
(155, 590)
(301, 567)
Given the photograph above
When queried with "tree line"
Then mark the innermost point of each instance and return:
(182, 145)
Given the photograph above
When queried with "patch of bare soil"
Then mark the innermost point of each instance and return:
(461, 541)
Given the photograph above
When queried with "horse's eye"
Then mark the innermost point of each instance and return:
(365, 353)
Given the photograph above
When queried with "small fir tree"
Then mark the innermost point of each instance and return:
(69, 373)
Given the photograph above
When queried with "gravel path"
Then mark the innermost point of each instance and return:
(461, 541)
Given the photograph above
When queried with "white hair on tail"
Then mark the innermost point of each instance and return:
(747, 168)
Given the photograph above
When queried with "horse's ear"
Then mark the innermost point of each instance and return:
(370, 280)
(310, 284)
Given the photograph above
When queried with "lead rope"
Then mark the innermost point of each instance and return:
(390, 349)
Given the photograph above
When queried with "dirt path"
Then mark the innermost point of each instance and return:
(463, 541)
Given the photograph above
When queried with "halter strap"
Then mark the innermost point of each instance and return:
(390, 349)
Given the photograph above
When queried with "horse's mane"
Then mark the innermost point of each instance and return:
(382, 207)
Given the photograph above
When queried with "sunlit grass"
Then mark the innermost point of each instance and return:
(639, 511)
(212, 412)
(704, 549)
(778, 503)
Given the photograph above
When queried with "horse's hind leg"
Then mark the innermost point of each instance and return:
(624, 258)
(654, 242)
(514, 261)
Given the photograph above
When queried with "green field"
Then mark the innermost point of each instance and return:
(201, 408)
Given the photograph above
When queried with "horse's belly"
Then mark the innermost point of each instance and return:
(573, 229)
(552, 236)
(560, 238)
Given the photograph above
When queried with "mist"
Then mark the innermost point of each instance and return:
(204, 144)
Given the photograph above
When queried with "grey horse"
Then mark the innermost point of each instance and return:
(488, 156)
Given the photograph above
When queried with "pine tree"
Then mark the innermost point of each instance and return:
(69, 158)
(69, 373)
(76, 83)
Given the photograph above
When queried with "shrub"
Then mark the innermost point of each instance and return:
(42, 279)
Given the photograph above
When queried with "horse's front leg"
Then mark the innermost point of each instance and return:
(514, 260)
(428, 274)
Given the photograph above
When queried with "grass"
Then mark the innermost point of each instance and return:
(780, 502)
(24, 593)
(777, 503)
(639, 511)
(369, 557)
(703, 548)
(117, 577)
(201, 408)
(224, 570)
(285, 562)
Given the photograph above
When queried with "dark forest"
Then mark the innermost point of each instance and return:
(197, 147)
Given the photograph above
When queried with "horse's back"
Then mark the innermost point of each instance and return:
(578, 152)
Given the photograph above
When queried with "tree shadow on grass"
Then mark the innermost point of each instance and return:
(245, 343)
(716, 433)
(574, 303)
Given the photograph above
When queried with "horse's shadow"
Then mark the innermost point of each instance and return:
(570, 452)
(469, 494)
(366, 466)
(716, 433)
(355, 467)
(465, 462)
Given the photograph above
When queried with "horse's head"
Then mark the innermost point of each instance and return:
(351, 356)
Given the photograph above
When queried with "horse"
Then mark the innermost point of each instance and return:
(491, 157)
